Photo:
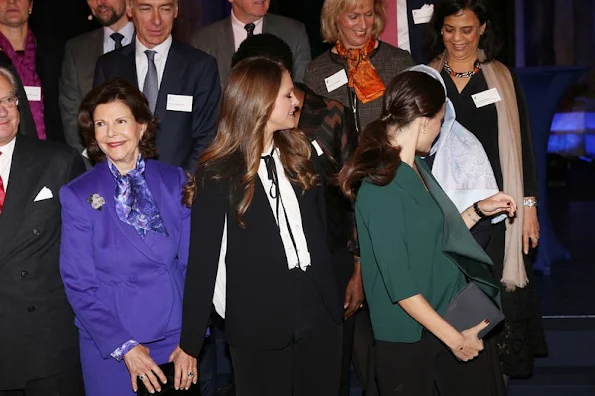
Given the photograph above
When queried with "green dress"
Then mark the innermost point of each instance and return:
(414, 241)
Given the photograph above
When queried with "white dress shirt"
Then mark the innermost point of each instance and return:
(109, 44)
(6, 161)
(239, 31)
(142, 63)
(291, 204)
(403, 26)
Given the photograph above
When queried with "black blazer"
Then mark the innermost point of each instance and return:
(50, 53)
(39, 338)
(259, 310)
(181, 136)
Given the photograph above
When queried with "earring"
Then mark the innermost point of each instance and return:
(424, 130)
(442, 32)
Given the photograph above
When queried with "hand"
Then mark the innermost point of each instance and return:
(184, 364)
(141, 366)
(498, 203)
(354, 294)
(469, 345)
(530, 228)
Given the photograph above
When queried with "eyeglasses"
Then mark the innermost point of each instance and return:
(10, 101)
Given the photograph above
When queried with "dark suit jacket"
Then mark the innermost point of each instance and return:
(217, 40)
(80, 56)
(259, 310)
(50, 53)
(27, 123)
(37, 329)
(181, 136)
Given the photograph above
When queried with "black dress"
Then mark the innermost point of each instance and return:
(521, 337)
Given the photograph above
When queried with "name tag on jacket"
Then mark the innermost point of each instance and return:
(179, 103)
(486, 97)
(33, 93)
(335, 81)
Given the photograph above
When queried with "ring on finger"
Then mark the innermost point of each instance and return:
(141, 377)
(190, 374)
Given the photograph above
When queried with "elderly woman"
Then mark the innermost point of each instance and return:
(124, 249)
(463, 44)
(356, 70)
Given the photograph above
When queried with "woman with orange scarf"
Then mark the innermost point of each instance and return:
(357, 69)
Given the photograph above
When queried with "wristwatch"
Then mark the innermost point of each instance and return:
(530, 202)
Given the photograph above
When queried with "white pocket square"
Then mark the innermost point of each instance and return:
(44, 194)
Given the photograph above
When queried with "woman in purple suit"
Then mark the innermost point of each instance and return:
(125, 237)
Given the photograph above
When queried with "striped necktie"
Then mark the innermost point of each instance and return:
(151, 86)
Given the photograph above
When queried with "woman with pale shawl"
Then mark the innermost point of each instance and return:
(463, 44)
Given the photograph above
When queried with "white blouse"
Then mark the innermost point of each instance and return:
(289, 209)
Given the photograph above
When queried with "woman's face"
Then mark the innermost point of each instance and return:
(460, 34)
(430, 130)
(118, 134)
(284, 115)
(357, 25)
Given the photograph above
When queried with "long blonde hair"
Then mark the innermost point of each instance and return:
(246, 105)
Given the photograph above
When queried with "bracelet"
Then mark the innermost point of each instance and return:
(529, 202)
(471, 217)
(478, 211)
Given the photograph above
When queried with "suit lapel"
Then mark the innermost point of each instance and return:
(128, 67)
(173, 80)
(22, 180)
(106, 190)
(227, 46)
(87, 62)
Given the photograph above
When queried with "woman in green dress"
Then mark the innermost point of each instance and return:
(417, 252)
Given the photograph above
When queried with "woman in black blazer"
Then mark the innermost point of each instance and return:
(258, 243)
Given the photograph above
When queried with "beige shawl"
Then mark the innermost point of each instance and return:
(511, 159)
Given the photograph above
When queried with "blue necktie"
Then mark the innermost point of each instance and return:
(117, 37)
(151, 86)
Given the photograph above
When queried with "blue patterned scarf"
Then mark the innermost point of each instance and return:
(135, 204)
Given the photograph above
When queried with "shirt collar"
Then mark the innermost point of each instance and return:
(8, 149)
(127, 31)
(240, 25)
(161, 49)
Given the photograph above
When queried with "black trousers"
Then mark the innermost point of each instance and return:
(68, 383)
(309, 366)
(421, 368)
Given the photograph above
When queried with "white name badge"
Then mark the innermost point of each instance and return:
(33, 93)
(486, 97)
(424, 14)
(335, 81)
(317, 148)
(179, 103)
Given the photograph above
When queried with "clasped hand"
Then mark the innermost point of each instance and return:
(469, 344)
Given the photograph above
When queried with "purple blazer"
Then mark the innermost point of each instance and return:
(120, 286)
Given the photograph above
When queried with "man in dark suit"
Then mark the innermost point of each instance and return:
(181, 83)
(38, 59)
(39, 352)
(249, 17)
(80, 56)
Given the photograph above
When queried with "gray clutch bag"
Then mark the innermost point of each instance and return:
(470, 307)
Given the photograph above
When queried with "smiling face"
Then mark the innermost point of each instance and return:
(153, 20)
(9, 113)
(248, 11)
(107, 12)
(284, 115)
(15, 13)
(430, 130)
(356, 26)
(118, 134)
(460, 34)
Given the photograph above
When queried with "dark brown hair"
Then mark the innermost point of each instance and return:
(117, 90)
(410, 95)
(247, 103)
(489, 41)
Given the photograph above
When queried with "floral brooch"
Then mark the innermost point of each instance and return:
(96, 201)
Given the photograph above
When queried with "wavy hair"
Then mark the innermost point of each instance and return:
(410, 95)
(331, 9)
(247, 103)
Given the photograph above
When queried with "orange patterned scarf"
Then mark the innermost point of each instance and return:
(363, 77)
